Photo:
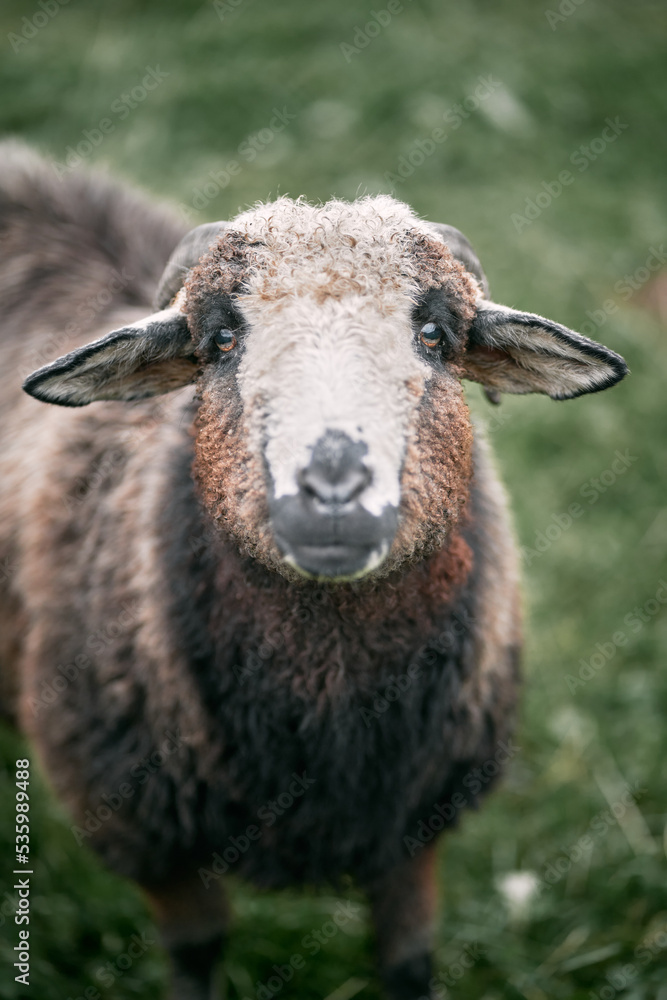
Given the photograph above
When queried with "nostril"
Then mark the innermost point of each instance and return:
(306, 484)
(334, 489)
(336, 473)
(358, 480)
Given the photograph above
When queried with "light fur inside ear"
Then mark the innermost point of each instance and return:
(147, 358)
(519, 352)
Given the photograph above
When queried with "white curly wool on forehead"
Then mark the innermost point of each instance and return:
(327, 249)
(328, 300)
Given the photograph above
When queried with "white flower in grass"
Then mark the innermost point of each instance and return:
(518, 890)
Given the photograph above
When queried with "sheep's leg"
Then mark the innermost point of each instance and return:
(193, 922)
(403, 905)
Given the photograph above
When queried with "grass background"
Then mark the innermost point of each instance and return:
(355, 117)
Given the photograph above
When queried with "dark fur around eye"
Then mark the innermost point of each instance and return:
(433, 308)
(217, 327)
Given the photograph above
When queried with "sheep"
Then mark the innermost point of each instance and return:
(263, 608)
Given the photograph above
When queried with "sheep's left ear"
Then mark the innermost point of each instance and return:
(147, 358)
(519, 352)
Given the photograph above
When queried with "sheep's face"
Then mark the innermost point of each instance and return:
(328, 344)
(332, 436)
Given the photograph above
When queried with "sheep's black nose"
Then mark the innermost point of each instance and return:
(336, 473)
(324, 529)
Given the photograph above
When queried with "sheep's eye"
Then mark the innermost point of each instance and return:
(225, 340)
(430, 334)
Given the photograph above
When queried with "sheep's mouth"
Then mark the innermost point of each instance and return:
(345, 543)
(333, 562)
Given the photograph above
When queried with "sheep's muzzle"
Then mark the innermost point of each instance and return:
(324, 530)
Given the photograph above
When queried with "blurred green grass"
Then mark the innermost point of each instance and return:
(354, 119)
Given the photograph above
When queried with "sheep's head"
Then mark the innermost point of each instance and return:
(328, 344)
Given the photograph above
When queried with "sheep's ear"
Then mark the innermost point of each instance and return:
(519, 352)
(153, 356)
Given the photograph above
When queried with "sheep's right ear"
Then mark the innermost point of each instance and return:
(150, 357)
(518, 352)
